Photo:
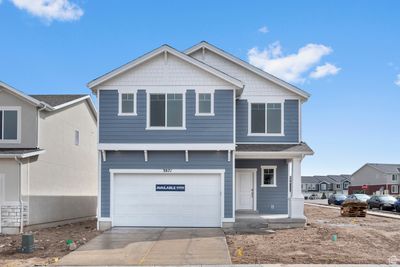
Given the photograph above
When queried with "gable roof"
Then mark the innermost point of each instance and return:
(50, 102)
(166, 49)
(309, 180)
(56, 100)
(244, 64)
(385, 168)
(326, 179)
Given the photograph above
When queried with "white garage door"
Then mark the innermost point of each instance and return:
(181, 200)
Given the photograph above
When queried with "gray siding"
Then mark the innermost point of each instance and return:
(291, 124)
(165, 160)
(199, 129)
(270, 200)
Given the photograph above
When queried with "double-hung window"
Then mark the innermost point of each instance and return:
(166, 111)
(205, 104)
(127, 103)
(394, 177)
(268, 176)
(10, 124)
(266, 119)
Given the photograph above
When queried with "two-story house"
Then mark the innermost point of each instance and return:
(329, 184)
(48, 159)
(190, 139)
(376, 177)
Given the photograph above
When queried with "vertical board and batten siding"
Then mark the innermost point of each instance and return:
(270, 200)
(291, 124)
(165, 160)
(199, 129)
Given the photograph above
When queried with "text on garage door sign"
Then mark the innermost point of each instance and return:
(170, 187)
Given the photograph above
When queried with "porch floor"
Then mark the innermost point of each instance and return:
(252, 221)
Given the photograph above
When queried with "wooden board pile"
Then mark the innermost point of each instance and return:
(354, 209)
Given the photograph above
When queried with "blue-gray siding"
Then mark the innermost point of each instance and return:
(270, 200)
(291, 124)
(165, 160)
(199, 129)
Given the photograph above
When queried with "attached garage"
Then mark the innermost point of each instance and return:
(166, 198)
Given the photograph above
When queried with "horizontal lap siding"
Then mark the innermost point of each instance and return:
(291, 124)
(268, 196)
(165, 160)
(199, 129)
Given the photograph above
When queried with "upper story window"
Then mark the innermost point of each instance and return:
(127, 103)
(394, 177)
(166, 111)
(266, 119)
(268, 178)
(204, 104)
(10, 124)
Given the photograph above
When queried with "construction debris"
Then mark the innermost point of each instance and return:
(353, 208)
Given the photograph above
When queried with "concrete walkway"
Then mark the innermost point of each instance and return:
(153, 246)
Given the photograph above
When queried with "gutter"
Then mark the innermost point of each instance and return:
(44, 106)
(21, 206)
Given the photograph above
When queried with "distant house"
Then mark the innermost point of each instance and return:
(375, 177)
(328, 184)
(48, 159)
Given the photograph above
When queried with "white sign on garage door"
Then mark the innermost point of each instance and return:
(167, 199)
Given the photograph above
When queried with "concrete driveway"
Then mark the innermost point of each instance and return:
(153, 246)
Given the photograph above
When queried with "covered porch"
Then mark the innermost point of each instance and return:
(267, 186)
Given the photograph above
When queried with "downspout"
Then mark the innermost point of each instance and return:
(44, 106)
(21, 213)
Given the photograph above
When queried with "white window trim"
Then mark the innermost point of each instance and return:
(12, 141)
(394, 191)
(148, 127)
(262, 176)
(198, 104)
(127, 91)
(396, 177)
(282, 133)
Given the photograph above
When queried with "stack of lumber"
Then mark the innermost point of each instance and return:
(353, 208)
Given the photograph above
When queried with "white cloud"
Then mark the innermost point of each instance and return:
(324, 70)
(49, 10)
(292, 67)
(397, 81)
(263, 29)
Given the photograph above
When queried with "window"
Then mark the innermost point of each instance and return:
(337, 186)
(323, 187)
(266, 119)
(9, 124)
(395, 189)
(345, 185)
(76, 137)
(127, 105)
(166, 111)
(268, 178)
(205, 104)
(394, 177)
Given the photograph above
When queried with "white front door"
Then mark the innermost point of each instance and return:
(245, 190)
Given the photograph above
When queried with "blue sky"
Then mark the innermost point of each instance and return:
(353, 115)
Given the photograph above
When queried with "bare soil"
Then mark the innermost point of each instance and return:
(50, 244)
(369, 240)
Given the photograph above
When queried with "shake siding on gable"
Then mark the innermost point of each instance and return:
(199, 129)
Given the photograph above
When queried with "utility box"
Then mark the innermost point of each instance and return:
(28, 243)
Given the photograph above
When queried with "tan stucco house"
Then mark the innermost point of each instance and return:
(48, 159)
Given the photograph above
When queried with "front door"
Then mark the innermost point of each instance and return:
(244, 190)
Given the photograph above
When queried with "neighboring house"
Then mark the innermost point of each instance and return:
(188, 139)
(375, 177)
(48, 159)
(329, 184)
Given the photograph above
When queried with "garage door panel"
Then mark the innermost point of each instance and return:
(137, 203)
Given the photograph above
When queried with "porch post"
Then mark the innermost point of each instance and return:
(296, 198)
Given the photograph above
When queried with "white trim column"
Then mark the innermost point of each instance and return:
(296, 201)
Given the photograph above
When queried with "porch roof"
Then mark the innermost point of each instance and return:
(20, 152)
(270, 150)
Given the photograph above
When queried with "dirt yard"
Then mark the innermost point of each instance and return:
(359, 240)
(50, 244)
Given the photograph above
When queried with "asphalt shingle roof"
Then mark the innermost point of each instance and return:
(56, 100)
(327, 179)
(386, 168)
(302, 147)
